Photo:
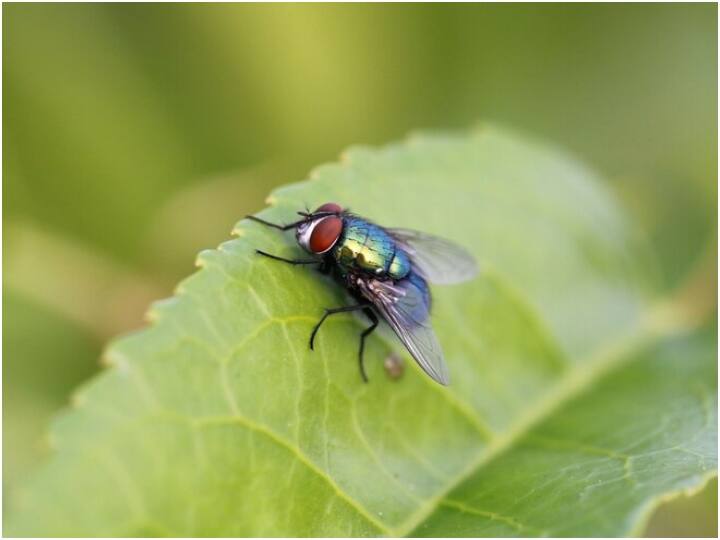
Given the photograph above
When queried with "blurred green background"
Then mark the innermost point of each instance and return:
(136, 135)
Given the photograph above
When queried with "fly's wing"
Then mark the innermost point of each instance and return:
(436, 259)
(405, 305)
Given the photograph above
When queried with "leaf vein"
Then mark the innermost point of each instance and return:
(242, 421)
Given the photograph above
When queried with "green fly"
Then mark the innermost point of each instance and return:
(386, 271)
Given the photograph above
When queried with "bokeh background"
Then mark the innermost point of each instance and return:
(136, 135)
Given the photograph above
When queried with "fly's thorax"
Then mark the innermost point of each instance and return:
(369, 249)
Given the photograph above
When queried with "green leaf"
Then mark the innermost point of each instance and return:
(572, 411)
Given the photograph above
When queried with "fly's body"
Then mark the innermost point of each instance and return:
(386, 271)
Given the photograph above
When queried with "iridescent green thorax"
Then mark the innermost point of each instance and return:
(365, 247)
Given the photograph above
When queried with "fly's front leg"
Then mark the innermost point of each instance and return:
(275, 225)
(289, 261)
(332, 311)
(325, 267)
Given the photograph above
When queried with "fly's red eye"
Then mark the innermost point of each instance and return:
(325, 234)
(329, 207)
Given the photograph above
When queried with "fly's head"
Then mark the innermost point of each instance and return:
(320, 230)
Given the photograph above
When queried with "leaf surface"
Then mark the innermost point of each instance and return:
(571, 411)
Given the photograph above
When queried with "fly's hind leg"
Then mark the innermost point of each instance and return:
(370, 314)
(332, 311)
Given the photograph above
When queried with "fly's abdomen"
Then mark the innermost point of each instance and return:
(399, 265)
(368, 248)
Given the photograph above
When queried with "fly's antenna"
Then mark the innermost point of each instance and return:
(307, 213)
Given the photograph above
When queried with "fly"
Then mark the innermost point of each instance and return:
(386, 271)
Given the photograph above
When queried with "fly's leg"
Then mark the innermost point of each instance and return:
(332, 311)
(274, 225)
(289, 261)
(370, 314)
(324, 267)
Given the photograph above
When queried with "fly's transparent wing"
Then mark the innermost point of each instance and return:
(405, 305)
(436, 259)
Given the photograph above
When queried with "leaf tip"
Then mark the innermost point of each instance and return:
(77, 400)
(112, 358)
(106, 360)
(203, 258)
(151, 315)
